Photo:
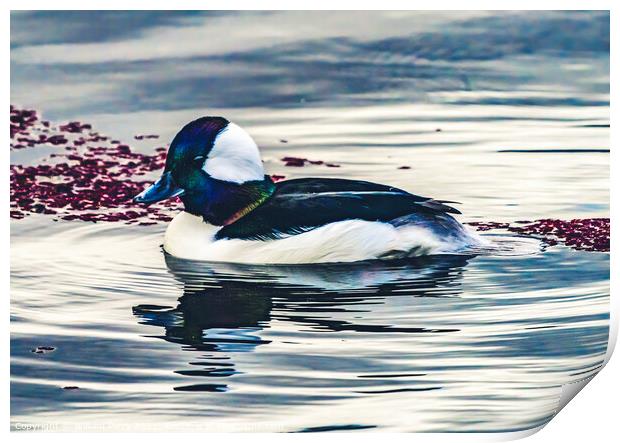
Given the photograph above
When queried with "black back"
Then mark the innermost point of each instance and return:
(304, 204)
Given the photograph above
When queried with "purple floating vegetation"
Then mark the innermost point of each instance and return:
(487, 226)
(22, 120)
(74, 127)
(145, 136)
(300, 162)
(94, 181)
(587, 234)
(294, 161)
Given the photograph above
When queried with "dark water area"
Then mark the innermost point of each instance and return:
(505, 112)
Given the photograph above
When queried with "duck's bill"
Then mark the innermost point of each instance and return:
(162, 189)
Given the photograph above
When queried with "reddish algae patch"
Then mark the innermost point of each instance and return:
(92, 177)
(145, 136)
(487, 226)
(300, 162)
(588, 234)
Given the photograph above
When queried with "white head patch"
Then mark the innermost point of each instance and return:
(234, 157)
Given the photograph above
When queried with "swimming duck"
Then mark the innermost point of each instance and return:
(233, 212)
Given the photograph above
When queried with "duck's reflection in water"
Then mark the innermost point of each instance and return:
(224, 307)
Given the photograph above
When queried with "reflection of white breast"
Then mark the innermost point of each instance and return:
(189, 237)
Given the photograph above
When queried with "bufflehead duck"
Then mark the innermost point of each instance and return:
(236, 213)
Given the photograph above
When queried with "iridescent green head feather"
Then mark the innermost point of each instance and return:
(215, 167)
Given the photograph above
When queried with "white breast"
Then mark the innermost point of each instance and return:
(189, 237)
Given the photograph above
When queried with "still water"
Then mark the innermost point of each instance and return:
(484, 108)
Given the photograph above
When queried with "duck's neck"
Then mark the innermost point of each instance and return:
(227, 202)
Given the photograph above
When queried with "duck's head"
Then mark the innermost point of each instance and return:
(214, 166)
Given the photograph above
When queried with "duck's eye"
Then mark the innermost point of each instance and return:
(199, 160)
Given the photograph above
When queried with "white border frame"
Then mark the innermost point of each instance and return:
(592, 416)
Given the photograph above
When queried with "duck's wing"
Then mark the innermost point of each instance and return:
(304, 204)
(331, 186)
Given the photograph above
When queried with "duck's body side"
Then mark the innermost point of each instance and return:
(323, 220)
(235, 213)
(190, 237)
